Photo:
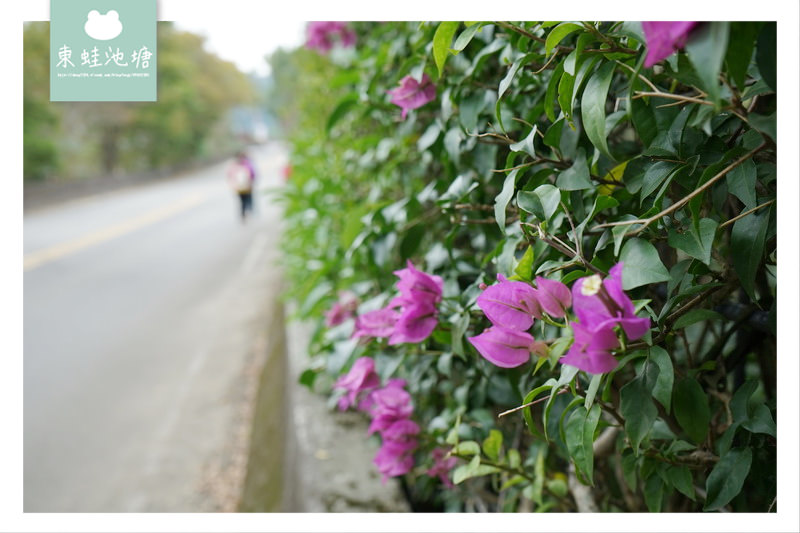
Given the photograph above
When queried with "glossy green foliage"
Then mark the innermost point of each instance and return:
(549, 150)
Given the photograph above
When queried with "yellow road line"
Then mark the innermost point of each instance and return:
(45, 255)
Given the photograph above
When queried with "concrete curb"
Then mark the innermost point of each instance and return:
(329, 456)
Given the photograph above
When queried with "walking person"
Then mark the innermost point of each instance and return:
(241, 177)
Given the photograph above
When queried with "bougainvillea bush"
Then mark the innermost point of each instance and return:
(542, 256)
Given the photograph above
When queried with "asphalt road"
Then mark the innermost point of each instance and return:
(142, 311)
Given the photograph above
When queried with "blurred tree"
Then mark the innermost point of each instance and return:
(40, 118)
(195, 91)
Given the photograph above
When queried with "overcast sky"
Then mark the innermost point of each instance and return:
(245, 40)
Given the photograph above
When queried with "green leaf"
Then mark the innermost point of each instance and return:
(740, 402)
(741, 183)
(558, 34)
(593, 107)
(460, 326)
(472, 469)
(512, 71)
(502, 199)
(653, 493)
(580, 438)
(576, 177)
(766, 54)
(690, 404)
(761, 421)
(550, 95)
(542, 202)
(492, 444)
(638, 410)
(680, 477)
(629, 463)
(441, 43)
(526, 144)
(642, 265)
(467, 447)
(465, 37)
(591, 391)
(765, 124)
(427, 139)
(341, 109)
(694, 316)
(696, 242)
(747, 248)
(727, 478)
(706, 49)
(662, 390)
(644, 120)
(525, 267)
(740, 50)
(654, 176)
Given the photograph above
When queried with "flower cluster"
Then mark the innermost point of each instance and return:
(599, 305)
(511, 306)
(390, 409)
(342, 309)
(321, 36)
(411, 316)
(412, 94)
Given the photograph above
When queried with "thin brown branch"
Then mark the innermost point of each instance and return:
(670, 96)
(748, 212)
(523, 406)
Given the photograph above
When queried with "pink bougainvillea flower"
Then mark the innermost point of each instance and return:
(590, 351)
(360, 379)
(389, 405)
(599, 303)
(415, 324)
(506, 347)
(412, 94)
(664, 38)
(401, 431)
(322, 36)
(510, 304)
(442, 465)
(379, 323)
(394, 459)
(417, 286)
(553, 297)
(419, 294)
(342, 309)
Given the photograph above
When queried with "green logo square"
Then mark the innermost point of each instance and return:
(103, 50)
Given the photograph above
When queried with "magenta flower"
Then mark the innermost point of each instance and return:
(411, 315)
(417, 286)
(401, 431)
(442, 465)
(341, 310)
(664, 38)
(602, 303)
(590, 351)
(379, 323)
(511, 304)
(360, 379)
(415, 323)
(390, 404)
(506, 347)
(394, 459)
(321, 36)
(412, 94)
(390, 410)
(553, 297)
